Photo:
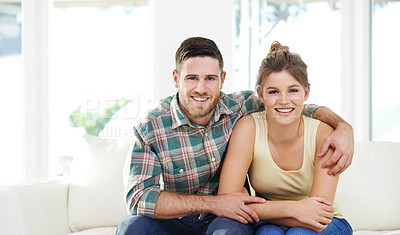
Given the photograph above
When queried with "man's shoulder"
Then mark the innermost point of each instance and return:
(237, 100)
(239, 95)
(161, 111)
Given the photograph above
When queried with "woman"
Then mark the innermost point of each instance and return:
(278, 149)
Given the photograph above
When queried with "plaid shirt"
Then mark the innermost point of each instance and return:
(172, 154)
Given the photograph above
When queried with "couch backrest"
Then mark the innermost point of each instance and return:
(369, 190)
(96, 194)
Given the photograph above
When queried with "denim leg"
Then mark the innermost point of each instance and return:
(336, 227)
(270, 229)
(225, 226)
(137, 224)
(132, 225)
(300, 231)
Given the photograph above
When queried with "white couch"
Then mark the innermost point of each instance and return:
(91, 201)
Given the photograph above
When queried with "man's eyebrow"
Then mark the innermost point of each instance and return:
(196, 75)
(191, 75)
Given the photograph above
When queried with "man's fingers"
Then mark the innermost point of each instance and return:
(348, 163)
(340, 165)
(251, 199)
(333, 159)
(324, 148)
(251, 213)
(240, 219)
(246, 216)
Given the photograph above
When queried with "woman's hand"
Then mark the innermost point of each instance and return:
(314, 211)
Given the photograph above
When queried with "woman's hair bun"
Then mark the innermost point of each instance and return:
(277, 46)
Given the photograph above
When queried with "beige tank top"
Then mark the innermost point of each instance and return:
(272, 182)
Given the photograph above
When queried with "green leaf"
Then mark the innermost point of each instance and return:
(94, 122)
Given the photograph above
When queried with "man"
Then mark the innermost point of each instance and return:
(178, 149)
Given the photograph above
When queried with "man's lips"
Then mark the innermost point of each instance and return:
(199, 99)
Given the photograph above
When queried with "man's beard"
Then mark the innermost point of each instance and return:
(196, 112)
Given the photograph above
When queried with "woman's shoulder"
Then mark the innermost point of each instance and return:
(322, 132)
(246, 121)
(324, 129)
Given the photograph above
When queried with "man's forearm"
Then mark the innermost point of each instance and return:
(173, 205)
(326, 115)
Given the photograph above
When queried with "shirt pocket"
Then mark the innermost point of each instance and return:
(187, 178)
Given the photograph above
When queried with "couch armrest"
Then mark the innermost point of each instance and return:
(38, 208)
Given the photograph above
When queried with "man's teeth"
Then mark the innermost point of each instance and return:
(199, 98)
(284, 110)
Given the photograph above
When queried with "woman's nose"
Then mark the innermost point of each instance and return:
(283, 98)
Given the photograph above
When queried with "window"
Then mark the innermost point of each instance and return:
(311, 29)
(11, 90)
(98, 55)
(385, 78)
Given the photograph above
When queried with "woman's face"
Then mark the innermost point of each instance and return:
(283, 97)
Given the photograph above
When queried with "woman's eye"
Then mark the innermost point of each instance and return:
(293, 90)
(272, 92)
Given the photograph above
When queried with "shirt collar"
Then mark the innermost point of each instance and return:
(180, 119)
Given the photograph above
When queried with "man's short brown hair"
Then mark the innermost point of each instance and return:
(197, 46)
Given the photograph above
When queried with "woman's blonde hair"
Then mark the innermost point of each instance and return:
(279, 59)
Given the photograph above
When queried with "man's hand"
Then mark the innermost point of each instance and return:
(233, 206)
(342, 141)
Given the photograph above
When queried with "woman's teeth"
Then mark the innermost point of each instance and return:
(284, 110)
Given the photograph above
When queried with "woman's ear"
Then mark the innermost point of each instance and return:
(260, 93)
(306, 93)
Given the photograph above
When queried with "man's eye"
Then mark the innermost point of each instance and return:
(192, 78)
(210, 78)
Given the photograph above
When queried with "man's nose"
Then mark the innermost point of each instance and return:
(201, 86)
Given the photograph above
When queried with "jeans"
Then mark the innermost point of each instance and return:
(193, 225)
(336, 227)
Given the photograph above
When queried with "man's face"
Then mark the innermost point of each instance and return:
(199, 84)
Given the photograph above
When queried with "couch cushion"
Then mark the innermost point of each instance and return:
(97, 231)
(96, 194)
(369, 191)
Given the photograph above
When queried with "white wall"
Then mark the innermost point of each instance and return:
(176, 20)
(356, 66)
(36, 94)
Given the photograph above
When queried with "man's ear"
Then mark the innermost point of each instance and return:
(222, 80)
(176, 78)
(260, 93)
(306, 93)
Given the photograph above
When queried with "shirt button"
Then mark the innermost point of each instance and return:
(213, 159)
(181, 171)
(206, 134)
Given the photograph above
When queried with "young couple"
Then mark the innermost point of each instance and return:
(176, 182)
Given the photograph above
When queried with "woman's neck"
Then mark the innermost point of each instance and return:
(285, 133)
